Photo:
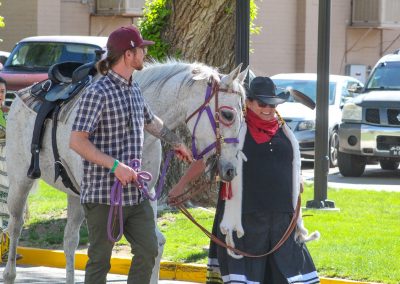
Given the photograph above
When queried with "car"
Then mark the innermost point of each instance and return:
(3, 57)
(32, 57)
(301, 119)
(370, 128)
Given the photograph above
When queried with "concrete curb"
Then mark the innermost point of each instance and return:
(168, 270)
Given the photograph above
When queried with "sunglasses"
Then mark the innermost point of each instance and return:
(262, 104)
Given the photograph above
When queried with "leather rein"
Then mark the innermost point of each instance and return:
(221, 243)
(213, 91)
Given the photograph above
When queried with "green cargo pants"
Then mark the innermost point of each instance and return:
(139, 230)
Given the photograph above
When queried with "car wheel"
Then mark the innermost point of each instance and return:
(389, 165)
(333, 149)
(350, 165)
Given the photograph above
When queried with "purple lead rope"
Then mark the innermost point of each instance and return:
(143, 178)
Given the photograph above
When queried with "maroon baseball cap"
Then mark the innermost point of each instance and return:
(125, 38)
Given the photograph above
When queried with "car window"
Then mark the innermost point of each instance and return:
(385, 76)
(346, 95)
(41, 55)
(308, 87)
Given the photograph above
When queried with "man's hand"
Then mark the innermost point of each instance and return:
(183, 153)
(125, 174)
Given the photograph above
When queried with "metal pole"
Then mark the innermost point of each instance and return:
(242, 32)
(321, 163)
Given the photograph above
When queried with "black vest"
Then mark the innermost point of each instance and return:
(267, 174)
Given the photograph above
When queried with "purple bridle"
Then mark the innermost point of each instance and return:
(213, 90)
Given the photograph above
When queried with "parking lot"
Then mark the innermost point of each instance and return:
(374, 178)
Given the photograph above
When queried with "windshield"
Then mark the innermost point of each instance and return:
(385, 76)
(41, 55)
(308, 87)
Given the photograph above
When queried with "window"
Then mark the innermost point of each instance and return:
(308, 87)
(41, 55)
(385, 76)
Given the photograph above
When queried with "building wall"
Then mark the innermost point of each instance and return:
(274, 49)
(20, 17)
(48, 17)
(288, 41)
(311, 36)
(75, 18)
(340, 21)
(104, 25)
(289, 38)
(26, 18)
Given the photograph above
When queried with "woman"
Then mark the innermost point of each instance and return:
(271, 184)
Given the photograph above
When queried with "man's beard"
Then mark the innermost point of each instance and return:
(140, 67)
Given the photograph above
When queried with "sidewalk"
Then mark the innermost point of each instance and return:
(119, 267)
(45, 275)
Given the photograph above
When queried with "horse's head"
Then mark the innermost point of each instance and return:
(216, 120)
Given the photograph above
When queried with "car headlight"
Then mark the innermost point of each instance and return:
(351, 112)
(306, 125)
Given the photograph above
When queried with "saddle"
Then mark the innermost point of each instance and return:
(65, 81)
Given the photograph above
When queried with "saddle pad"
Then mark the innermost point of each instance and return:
(30, 101)
(34, 103)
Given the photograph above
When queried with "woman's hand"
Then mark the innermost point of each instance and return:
(175, 192)
(183, 153)
(193, 172)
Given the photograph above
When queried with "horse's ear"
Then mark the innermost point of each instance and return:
(228, 79)
(242, 76)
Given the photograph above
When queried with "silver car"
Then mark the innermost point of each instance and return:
(302, 119)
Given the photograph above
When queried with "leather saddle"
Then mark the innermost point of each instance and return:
(65, 81)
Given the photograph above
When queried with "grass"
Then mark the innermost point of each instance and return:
(359, 242)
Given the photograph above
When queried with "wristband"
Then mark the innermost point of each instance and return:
(114, 167)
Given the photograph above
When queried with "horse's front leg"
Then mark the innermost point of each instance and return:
(17, 196)
(75, 218)
(161, 242)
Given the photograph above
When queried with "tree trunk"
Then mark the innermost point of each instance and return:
(204, 31)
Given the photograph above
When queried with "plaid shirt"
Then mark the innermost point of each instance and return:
(113, 112)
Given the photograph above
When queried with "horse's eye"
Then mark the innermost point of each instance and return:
(227, 115)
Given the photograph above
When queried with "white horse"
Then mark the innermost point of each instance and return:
(174, 90)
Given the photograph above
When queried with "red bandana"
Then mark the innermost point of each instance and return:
(261, 130)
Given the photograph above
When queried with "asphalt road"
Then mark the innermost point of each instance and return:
(374, 178)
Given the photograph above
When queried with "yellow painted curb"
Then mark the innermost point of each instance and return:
(168, 270)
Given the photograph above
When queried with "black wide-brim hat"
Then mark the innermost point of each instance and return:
(264, 90)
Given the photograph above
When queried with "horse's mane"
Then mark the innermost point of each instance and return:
(157, 74)
(154, 74)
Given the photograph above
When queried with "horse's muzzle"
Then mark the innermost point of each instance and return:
(227, 171)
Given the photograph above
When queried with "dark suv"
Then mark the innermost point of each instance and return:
(370, 128)
(31, 58)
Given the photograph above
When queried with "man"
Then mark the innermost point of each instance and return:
(108, 134)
